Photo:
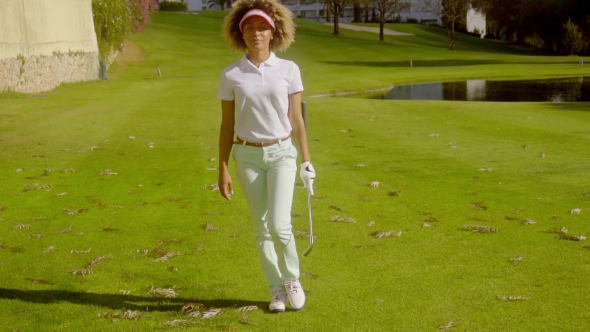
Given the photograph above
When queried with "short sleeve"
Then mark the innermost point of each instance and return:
(224, 90)
(296, 83)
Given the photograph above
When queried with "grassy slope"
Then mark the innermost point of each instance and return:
(425, 278)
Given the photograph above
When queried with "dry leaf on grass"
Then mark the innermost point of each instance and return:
(478, 206)
(96, 147)
(206, 312)
(395, 193)
(125, 314)
(60, 194)
(576, 211)
(99, 259)
(383, 234)
(109, 229)
(446, 326)
(563, 234)
(21, 226)
(516, 259)
(374, 184)
(80, 251)
(73, 212)
(485, 169)
(209, 226)
(36, 186)
(171, 268)
(181, 323)
(67, 230)
(247, 308)
(165, 292)
(371, 223)
(527, 222)
(107, 172)
(166, 257)
(569, 237)
(343, 218)
(37, 236)
(81, 272)
(346, 130)
(334, 207)
(191, 306)
(480, 229)
(361, 165)
(513, 298)
(50, 249)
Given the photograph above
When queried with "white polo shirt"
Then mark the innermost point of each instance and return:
(261, 97)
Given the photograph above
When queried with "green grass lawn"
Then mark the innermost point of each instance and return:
(118, 173)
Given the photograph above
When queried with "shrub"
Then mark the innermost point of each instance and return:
(140, 11)
(173, 6)
(111, 23)
(573, 40)
(411, 20)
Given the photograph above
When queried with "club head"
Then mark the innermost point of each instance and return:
(308, 251)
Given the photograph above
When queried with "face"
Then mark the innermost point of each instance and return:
(257, 33)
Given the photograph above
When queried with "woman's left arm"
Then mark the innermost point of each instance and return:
(298, 126)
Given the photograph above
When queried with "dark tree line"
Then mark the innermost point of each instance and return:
(559, 26)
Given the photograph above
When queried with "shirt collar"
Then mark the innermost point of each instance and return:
(271, 61)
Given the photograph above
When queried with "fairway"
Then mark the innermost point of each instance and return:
(475, 220)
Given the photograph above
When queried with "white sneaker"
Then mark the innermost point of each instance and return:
(278, 302)
(295, 294)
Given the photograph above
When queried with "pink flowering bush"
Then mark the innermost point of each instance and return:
(140, 13)
(114, 18)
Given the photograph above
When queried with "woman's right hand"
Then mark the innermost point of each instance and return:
(226, 186)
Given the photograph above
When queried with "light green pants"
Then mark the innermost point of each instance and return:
(267, 177)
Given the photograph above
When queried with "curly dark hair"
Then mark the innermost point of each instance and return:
(283, 35)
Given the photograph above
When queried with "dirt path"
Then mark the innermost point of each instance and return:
(370, 29)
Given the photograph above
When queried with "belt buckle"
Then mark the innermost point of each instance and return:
(259, 144)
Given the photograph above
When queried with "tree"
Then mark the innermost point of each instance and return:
(336, 7)
(366, 10)
(450, 12)
(327, 4)
(221, 3)
(573, 39)
(386, 10)
(356, 5)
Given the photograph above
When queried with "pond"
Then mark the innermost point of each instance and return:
(541, 90)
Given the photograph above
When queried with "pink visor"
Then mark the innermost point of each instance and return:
(257, 12)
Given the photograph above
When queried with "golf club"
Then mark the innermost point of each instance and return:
(308, 250)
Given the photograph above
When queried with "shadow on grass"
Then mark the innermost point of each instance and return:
(433, 63)
(116, 301)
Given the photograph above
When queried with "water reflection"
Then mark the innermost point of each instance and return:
(555, 90)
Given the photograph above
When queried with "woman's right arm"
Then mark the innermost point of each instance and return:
(226, 137)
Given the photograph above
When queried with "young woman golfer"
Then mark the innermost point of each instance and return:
(261, 106)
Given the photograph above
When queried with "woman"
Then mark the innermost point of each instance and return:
(261, 105)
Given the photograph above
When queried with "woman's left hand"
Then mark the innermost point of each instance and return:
(307, 175)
